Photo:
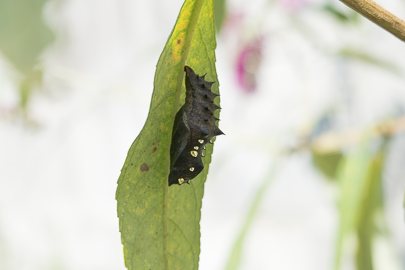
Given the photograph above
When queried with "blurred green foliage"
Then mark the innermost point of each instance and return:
(235, 256)
(327, 163)
(23, 33)
(23, 37)
(343, 16)
(220, 13)
(368, 58)
(360, 180)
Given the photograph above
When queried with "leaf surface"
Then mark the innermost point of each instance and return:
(159, 225)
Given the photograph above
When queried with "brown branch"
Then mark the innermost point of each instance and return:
(378, 15)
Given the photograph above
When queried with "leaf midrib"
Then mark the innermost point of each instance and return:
(187, 45)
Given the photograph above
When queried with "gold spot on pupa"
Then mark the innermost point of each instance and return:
(201, 141)
(180, 180)
(194, 153)
(191, 169)
(196, 147)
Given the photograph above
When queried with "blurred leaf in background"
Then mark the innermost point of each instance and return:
(368, 58)
(220, 13)
(23, 37)
(235, 257)
(343, 16)
(360, 180)
(327, 162)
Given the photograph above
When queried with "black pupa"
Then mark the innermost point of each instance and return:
(194, 126)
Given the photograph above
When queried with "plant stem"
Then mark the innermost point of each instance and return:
(329, 142)
(378, 15)
(235, 256)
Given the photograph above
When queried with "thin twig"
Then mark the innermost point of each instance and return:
(378, 15)
(330, 142)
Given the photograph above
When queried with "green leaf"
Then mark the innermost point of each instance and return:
(23, 34)
(340, 15)
(236, 254)
(368, 58)
(32, 79)
(360, 199)
(220, 13)
(23, 37)
(159, 225)
(327, 163)
(370, 202)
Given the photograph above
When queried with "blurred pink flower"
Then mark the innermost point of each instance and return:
(293, 5)
(248, 62)
(233, 22)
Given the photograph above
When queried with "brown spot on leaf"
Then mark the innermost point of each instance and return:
(178, 41)
(154, 149)
(144, 167)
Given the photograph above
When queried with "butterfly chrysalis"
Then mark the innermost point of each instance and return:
(194, 126)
